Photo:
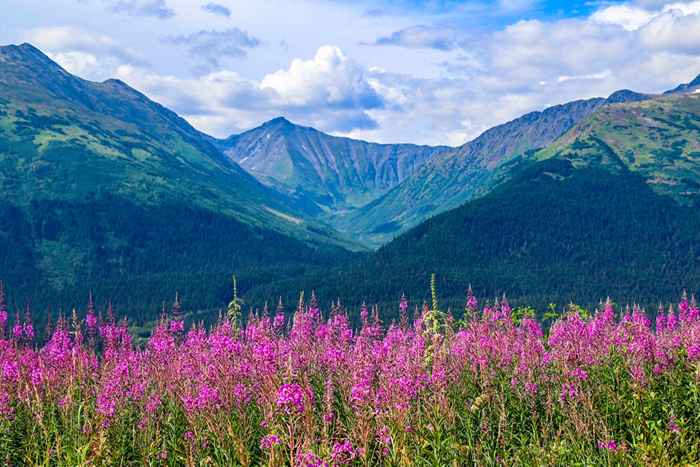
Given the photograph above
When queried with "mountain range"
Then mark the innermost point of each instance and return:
(103, 188)
(609, 209)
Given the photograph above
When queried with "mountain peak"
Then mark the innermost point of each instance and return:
(24, 52)
(278, 121)
(25, 61)
(686, 87)
(23, 47)
(695, 82)
(625, 95)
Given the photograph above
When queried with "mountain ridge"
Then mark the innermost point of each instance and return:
(81, 161)
(328, 172)
(582, 219)
(468, 171)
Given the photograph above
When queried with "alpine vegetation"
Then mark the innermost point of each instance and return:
(495, 387)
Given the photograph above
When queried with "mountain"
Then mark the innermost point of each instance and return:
(327, 173)
(692, 86)
(609, 208)
(102, 187)
(657, 139)
(450, 179)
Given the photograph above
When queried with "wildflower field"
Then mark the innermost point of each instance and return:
(493, 388)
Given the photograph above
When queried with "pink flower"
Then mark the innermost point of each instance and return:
(269, 441)
(673, 426)
(309, 459)
(343, 453)
(91, 321)
(291, 398)
(610, 445)
(580, 374)
(176, 326)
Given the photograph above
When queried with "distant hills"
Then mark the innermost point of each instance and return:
(471, 170)
(102, 188)
(327, 174)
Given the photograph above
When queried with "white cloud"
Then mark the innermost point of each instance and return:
(212, 45)
(591, 76)
(673, 30)
(67, 37)
(217, 9)
(77, 63)
(329, 79)
(632, 17)
(431, 37)
(329, 91)
(447, 76)
(155, 8)
(629, 17)
(82, 52)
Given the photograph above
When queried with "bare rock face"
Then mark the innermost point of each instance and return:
(330, 173)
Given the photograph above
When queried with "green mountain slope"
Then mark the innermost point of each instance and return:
(656, 139)
(585, 218)
(102, 187)
(448, 180)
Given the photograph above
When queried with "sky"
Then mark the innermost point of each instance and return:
(427, 72)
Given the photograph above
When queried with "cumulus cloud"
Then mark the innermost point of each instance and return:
(330, 78)
(155, 8)
(83, 52)
(217, 9)
(214, 45)
(633, 17)
(441, 81)
(673, 31)
(329, 91)
(627, 16)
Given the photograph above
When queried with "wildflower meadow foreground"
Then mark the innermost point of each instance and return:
(310, 390)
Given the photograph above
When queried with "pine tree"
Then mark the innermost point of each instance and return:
(233, 312)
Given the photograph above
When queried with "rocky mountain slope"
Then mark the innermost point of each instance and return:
(328, 174)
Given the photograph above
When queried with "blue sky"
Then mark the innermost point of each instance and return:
(433, 72)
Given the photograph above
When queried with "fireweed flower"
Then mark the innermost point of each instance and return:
(176, 326)
(610, 445)
(343, 453)
(364, 313)
(269, 441)
(291, 398)
(580, 374)
(17, 329)
(310, 459)
(673, 426)
(378, 373)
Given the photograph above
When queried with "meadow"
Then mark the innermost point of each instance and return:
(610, 387)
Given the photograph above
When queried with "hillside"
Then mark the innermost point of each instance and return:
(608, 209)
(448, 180)
(327, 174)
(102, 187)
